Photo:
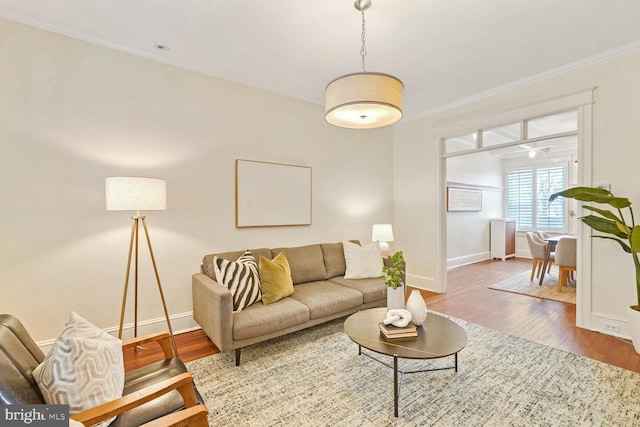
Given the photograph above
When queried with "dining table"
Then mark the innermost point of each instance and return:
(552, 242)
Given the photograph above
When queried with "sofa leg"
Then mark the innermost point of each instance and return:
(238, 356)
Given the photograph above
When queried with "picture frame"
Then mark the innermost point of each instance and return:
(272, 194)
(464, 199)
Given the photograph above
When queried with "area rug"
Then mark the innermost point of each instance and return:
(521, 284)
(316, 378)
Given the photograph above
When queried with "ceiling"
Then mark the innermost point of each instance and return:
(445, 51)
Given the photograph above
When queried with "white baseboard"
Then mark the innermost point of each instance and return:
(421, 282)
(523, 253)
(610, 325)
(467, 259)
(180, 323)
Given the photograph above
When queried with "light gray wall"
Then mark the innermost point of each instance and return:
(468, 232)
(73, 113)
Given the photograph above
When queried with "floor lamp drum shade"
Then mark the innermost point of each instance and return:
(364, 100)
(134, 193)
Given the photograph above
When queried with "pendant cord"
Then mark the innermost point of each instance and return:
(363, 49)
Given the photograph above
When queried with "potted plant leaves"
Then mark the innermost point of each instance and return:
(618, 225)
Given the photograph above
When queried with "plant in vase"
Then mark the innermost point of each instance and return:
(393, 276)
(616, 228)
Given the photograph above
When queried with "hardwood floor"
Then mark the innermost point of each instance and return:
(547, 322)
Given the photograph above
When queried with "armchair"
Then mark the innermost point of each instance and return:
(156, 393)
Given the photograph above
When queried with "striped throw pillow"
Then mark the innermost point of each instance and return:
(241, 278)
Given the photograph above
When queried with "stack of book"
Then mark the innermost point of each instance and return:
(394, 332)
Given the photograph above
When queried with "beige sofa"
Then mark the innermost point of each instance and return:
(321, 293)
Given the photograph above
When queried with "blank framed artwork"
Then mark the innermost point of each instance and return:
(464, 199)
(272, 194)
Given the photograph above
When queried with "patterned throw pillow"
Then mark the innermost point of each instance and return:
(241, 278)
(84, 368)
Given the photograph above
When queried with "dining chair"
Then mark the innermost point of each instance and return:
(565, 259)
(537, 248)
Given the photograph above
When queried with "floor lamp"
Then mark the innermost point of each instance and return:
(136, 194)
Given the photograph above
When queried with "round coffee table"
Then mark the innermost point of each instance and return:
(437, 337)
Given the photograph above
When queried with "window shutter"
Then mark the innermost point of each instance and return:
(550, 180)
(520, 198)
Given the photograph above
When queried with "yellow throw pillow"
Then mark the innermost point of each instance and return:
(275, 278)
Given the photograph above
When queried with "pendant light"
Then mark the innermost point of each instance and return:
(364, 100)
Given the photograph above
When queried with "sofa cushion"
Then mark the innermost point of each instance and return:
(85, 368)
(275, 278)
(362, 262)
(260, 319)
(333, 255)
(325, 298)
(306, 262)
(207, 260)
(372, 289)
(241, 278)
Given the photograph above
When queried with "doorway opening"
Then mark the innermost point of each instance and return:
(556, 132)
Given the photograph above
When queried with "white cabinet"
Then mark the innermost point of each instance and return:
(503, 238)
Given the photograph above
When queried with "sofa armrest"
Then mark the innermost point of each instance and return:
(213, 310)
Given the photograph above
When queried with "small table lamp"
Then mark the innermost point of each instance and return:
(136, 194)
(382, 233)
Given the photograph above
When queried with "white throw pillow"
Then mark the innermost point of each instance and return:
(362, 262)
(84, 368)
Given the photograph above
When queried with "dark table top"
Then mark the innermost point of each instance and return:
(437, 337)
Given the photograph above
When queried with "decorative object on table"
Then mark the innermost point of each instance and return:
(417, 307)
(363, 100)
(397, 325)
(617, 228)
(393, 277)
(398, 317)
(393, 332)
(382, 233)
(135, 193)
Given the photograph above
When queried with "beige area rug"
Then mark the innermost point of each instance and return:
(315, 378)
(521, 284)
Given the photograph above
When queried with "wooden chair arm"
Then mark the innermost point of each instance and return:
(196, 416)
(163, 339)
(183, 383)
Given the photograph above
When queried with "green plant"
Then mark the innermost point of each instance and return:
(394, 273)
(615, 226)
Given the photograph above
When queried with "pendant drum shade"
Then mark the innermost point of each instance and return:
(364, 100)
(134, 193)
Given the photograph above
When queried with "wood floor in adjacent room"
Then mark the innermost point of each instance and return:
(468, 297)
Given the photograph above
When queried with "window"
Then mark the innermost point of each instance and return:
(501, 135)
(528, 192)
